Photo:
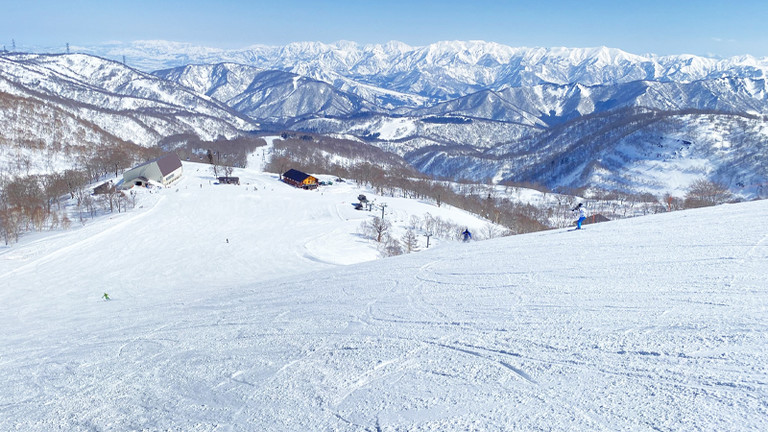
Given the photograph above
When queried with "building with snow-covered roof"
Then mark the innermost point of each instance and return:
(163, 170)
(300, 179)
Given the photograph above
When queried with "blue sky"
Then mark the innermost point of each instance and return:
(718, 28)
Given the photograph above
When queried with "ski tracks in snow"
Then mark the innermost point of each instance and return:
(519, 372)
(88, 241)
(756, 256)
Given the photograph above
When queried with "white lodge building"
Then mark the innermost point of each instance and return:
(163, 170)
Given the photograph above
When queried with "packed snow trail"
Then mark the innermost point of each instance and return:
(653, 323)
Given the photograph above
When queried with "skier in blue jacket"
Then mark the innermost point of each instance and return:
(582, 217)
(466, 235)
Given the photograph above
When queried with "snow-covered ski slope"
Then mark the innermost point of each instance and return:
(652, 323)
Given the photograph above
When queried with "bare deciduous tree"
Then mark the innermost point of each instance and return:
(391, 247)
(491, 231)
(410, 241)
(375, 228)
(703, 193)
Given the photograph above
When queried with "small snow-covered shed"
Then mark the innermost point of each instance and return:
(163, 170)
(104, 188)
(300, 179)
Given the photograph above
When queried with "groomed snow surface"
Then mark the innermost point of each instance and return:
(652, 323)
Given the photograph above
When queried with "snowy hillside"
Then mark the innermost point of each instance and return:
(552, 104)
(563, 118)
(231, 310)
(120, 101)
(267, 95)
(482, 111)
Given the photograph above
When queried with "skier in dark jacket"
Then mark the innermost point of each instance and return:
(466, 235)
(579, 208)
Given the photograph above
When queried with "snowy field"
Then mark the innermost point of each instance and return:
(653, 323)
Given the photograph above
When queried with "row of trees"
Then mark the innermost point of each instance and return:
(700, 193)
(30, 202)
(37, 202)
(620, 204)
(617, 204)
(704, 193)
(380, 230)
(390, 244)
(397, 178)
(392, 176)
(34, 202)
(223, 154)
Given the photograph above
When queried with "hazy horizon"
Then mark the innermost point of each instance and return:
(706, 28)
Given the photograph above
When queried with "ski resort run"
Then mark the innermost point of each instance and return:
(191, 324)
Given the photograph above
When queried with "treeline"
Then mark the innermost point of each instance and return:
(615, 204)
(221, 152)
(380, 231)
(34, 202)
(390, 175)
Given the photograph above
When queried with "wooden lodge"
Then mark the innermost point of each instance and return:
(300, 180)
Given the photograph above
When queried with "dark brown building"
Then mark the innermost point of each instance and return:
(300, 180)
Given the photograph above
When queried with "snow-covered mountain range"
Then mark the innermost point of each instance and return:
(445, 69)
(476, 110)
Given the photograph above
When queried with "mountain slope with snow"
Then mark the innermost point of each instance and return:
(125, 103)
(552, 104)
(471, 110)
(229, 310)
(630, 149)
(489, 112)
(266, 95)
